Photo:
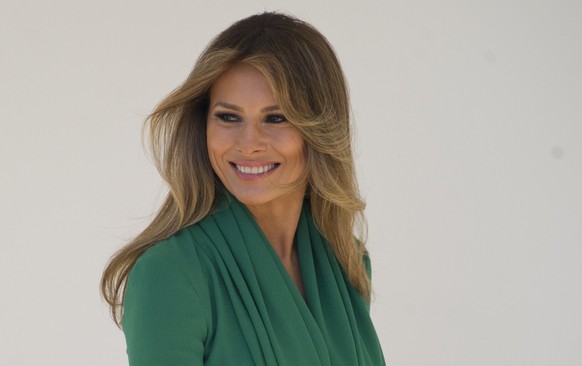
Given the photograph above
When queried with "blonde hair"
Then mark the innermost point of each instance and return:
(308, 82)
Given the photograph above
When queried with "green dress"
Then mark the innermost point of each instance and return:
(215, 293)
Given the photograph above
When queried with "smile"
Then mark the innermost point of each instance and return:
(255, 169)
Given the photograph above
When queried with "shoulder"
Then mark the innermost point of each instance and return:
(171, 270)
(173, 259)
(168, 252)
(165, 312)
(166, 278)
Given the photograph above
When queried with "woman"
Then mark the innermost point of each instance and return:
(251, 259)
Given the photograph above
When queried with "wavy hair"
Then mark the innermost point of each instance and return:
(308, 83)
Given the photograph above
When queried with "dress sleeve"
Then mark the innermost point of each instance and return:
(163, 320)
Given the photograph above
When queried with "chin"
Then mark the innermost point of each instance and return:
(253, 198)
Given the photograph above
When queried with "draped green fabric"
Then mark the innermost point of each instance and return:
(216, 293)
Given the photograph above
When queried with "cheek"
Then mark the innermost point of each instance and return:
(214, 144)
(214, 139)
(296, 150)
(300, 153)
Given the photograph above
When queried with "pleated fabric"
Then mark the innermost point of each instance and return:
(217, 294)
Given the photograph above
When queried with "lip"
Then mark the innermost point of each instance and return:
(253, 164)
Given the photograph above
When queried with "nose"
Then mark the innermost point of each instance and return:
(251, 139)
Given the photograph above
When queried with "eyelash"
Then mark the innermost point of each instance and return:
(227, 117)
(232, 118)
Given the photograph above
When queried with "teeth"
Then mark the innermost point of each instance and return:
(255, 169)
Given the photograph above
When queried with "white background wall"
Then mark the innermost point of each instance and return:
(469, 146)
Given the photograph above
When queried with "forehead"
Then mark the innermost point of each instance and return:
(242, 82)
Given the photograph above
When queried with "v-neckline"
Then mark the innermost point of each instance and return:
(304, 298)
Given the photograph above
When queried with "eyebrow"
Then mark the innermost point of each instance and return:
(240, 109)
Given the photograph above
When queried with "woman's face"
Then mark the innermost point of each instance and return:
(252, 147)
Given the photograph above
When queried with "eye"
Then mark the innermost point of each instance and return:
(227, 117)
(275, 118)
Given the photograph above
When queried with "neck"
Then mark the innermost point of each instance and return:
(279, 221)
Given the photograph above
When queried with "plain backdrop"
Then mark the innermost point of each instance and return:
(468, 145)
